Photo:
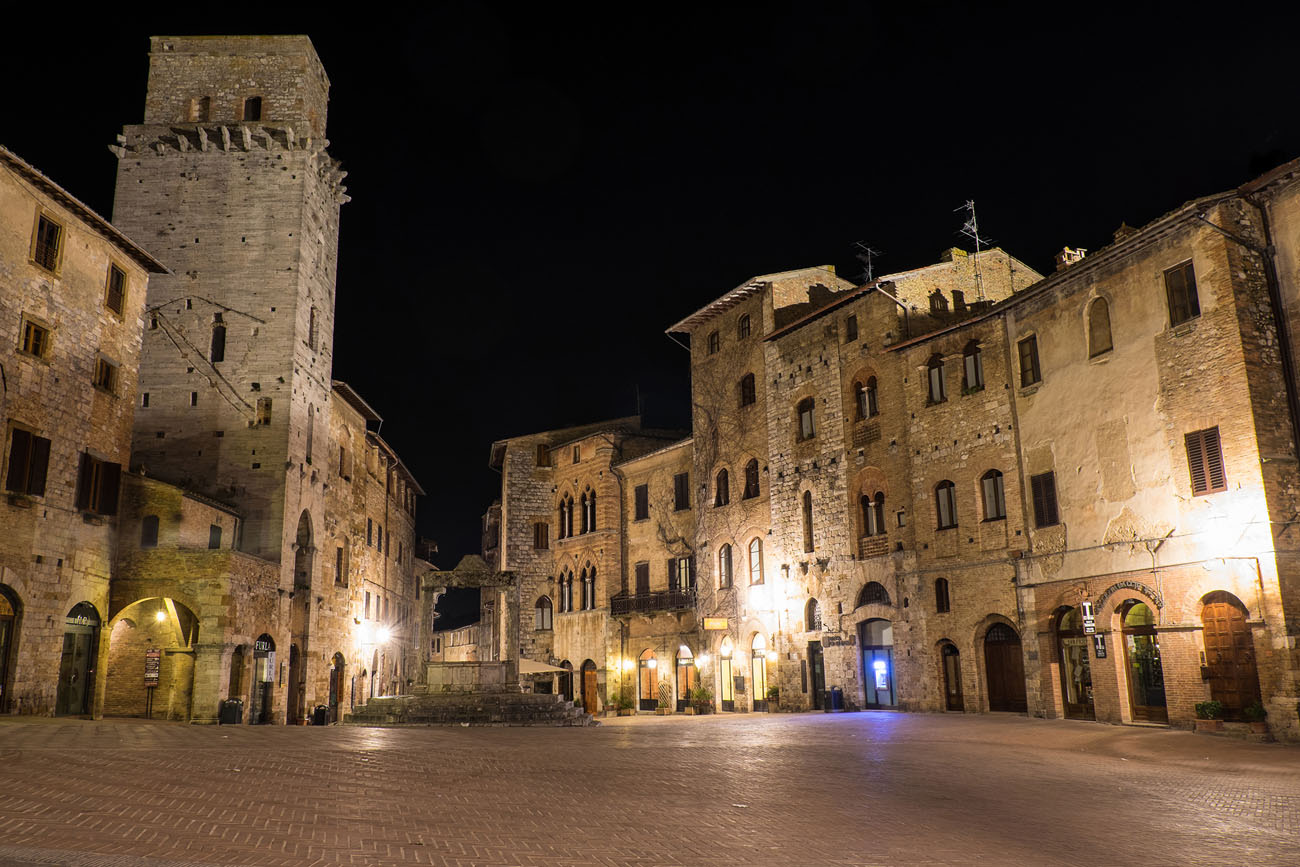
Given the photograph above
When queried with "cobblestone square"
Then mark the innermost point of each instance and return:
(800, 789)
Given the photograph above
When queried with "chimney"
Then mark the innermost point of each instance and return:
(1068, 256)
(1123, 232)
(952, 254)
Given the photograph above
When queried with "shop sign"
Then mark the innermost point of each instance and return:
(839, 640)
(715, 623)
(82, 620)
(262, 645)
(738, 684)
(1099, 646)
(1089, 622)
(1075, 641)
(152, 667)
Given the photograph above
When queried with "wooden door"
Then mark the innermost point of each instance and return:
(74, 665)
(817, 663)
(952, 679)
(1229, 654)
(1005, 668)
(589, 690)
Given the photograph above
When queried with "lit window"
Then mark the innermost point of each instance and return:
(756, 561)
(807, 430)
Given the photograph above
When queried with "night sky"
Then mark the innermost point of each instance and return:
(537, 194)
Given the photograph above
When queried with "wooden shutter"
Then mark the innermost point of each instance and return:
(38, 465)
(1044, 492)
(20, 450)
(85, 475)
(1205, 461)
(110, 482)
(672, 574)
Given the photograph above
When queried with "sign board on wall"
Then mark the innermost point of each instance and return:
(1089, 622)
(715, 623)
(152, 667)
(1099, 646)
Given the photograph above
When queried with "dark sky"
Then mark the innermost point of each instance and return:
(538, 193)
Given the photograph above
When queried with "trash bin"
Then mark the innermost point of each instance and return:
(826, 700)
(232, 712)
(837, 698)
(320, 715)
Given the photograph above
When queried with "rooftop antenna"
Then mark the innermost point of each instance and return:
(971, 229)
(865, 255)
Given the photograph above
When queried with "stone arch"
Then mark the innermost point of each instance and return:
(11, 615)
(81, 634)
(849, 390)
(161, 625)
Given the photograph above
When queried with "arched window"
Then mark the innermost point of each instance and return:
(742, 326)
(864, 396)
(568, 592)
(941, 601)
(938, 390)
(873, 593)
(973, 367)
(1099, 341)
(722, 489)
(756, 561)
(813, 616)
(217, 352)
(724, 567)
(995, 504)
(566, 517)
(748, 394)
(807, 522)
(807, 430)
(873, 514)
(542, 614)
(589, 590)
(945, 504)
(715, 342)
(149, 532)
(751, 479)
(582, 513)
(588, 512)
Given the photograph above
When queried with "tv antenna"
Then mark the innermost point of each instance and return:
(866, 255)
(971, 229)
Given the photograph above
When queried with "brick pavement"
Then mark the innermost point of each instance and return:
(811, 789)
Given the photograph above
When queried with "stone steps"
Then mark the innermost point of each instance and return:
(498, 708)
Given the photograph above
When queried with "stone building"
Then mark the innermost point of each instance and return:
(72, 293)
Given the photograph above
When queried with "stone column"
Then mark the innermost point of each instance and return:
(211, 677)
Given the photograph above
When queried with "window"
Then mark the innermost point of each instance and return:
(543, 455)
(1099, 342)
(938, 303)
(724, 567)
(200, 108)
(1180, 287)
(264, 410)
(311, 329)
(807, 430)
(973, 368)
(97, 485)
(379, 538)
(681, 491)
(722, 489)
(642, 496)
(864, 397)
(367, 605)
(873, 514)
(149, 531)
(807, 522)
(541, 535)
(995, 504)
(253, 108)
(1029, 373)
(1044, 491)
(851, 329)
(715, 342)
(105, 375)
(756, 561)
(873, 593)
(642, 579)
(742, 326)
(945, 504)
(585, 513)
(566, 517)
(341, 565)
(194, 401)
(36, 338)
(938, 388)
(370, 532)
(577, 454)
(751, 479)
(681, 574)
(542, 614)
(214, 536)
(47, 244)
(813, 616)
(1204, 461)
(748, 394)
(941, 601)
(589, 589)
(217, 350)
(115, 292)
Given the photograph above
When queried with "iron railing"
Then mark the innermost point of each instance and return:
(658, 600)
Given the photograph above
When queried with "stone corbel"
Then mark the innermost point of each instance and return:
(225, 138)
(203, 139)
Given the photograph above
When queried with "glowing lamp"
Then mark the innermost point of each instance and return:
(383, 635)
(652, 663)
(701, 660)
(160, 616)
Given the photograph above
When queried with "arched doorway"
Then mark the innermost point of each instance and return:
(950, 657)
(76, 663)
(150, 668)
(260, 700)
(590, 688)
(817, 668)
(876, 638)
(1146, 677)
(1229, 653)
(687, 677)
(727, 683)
(10, 613)
(758, 661)
(1076, 670)
(646, 667)
(1005, 668)
(336, 686)
(565, 680)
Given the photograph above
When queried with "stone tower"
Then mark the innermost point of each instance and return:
(228, 182)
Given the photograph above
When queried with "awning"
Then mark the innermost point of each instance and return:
(530, 666)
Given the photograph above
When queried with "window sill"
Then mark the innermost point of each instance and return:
(994, 520)
(936, 402)
(43, 359)
(1182, 329)
(966, 392)
(1101, 357)
(21, 501)
(1026, 390)
(949, 527)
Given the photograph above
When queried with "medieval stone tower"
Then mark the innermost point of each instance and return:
(229, 183)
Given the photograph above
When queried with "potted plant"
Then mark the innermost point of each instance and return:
(622, 702)
(1209, 716)
(701, 700)
(1255, 715)
(773, 696)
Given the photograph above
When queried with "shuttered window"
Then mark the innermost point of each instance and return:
(97, 485)
(1099, 341)
(642, 497)
(115, 294)
(682, 491)
(1180, 288)
(541, 535)
(29, 458)
(1205, 461)
(1044, 491)
(1029, 372)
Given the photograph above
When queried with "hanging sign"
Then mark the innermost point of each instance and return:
(152, 667)
(1089, 622)
(715, 623)
(1099, 646)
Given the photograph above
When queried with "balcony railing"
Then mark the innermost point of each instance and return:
(658, 600)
